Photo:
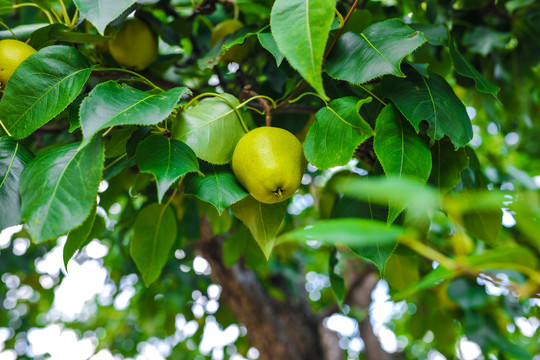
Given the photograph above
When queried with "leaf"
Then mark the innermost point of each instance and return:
(154, 234)
(484, 224)
(401, 271)
(211, 128)
(101, 12)
(300, 29)
(59, 187)
(218, 187)
(448, 164)
(485, 41)
(402, 153)
(42, 86)
(262, 220)
(464, 68)
(116, 145)
(111, 104)
(166, 159)
(267, 41)
(469, 295)
(13, 159)
(339, 129)
(336, 281)
(78, 237)
(377, 51)
(431, 99)
(434, 34)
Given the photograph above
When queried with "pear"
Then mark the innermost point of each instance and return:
(269, 163)
(12, 53)
(135, 46)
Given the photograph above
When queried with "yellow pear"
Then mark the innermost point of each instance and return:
(12, 53)
(135, 46)
(269, 163)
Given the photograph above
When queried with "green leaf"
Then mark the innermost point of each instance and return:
(262, 220)
(434, 34)
(430, 280)
(116, 145)
(78, 237)
(101, 12)
(241, 242)
(464, 68)
(431, 99)
(42, 87)
(13, 159)
(166, 159)
(53, 33)
(267, 41)
(300, 29)
(467, 294)
(402, 153)
(484, 224)
(218, 187)
(336, 281)
(448, 164)
(211, 128)
(112, 104)
(377, 51)
(518, 255)
(59, 187)
(401, 271)
(484, 40)
(154, 234)
(339, 129)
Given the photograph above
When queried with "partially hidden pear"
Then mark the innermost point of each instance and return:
(269, 163)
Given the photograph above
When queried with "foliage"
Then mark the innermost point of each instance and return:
(418, 120)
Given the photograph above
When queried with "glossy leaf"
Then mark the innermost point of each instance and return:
(339, 129)
(211, 128)
(78, 237)
(300, 29)
(448, 164)
(111, 104)
(263, 220)
(41, 87)
(464, 68)
(101, 12)
(267, 41)
(154, 234)
(377, 51)
(13, 159)
(166, 159)
(431, 99)
(401, 151)
(59, 187)
(218, 187)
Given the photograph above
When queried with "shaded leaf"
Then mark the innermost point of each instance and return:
(13, 159)
(59, 187)
(402, 153)
(401, 271)
(431, 99)
(339, 129)
(102, 12)
(300, 29)
(111, 104)
(78, 237)
(434, 34)
(211, 128)
(267, 41)
(262, 220)
(166, 159)
(336, 281)
(377, 51)
(448, 164)
(154, 234)
(41, 87)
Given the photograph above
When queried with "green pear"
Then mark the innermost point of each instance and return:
(269, 163)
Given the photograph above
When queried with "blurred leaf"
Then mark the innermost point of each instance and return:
(402, 153)
(166, 159)
(267, 41)
(154, 234)
(428, 281)
(448, 164)
(484, 224)
(101, 12)
(432, 100)
(41, 87)
(485, 41)
(379, 50)
(211, 128)
(434, 34)
(300, 29)
(56, 196)
(467, 294)
(526, 210)
(336, 281)
(463, 67)
(263, 220)
(14, 157)
(111, 104)
(339, 129)
(218, 186)
(401, 271)
(79, 237)
(116, 146)
(241, 242)
(518, 255)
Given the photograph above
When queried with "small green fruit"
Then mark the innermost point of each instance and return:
(238, 52)
(12, 53)
(269, 163)
(135, 46)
